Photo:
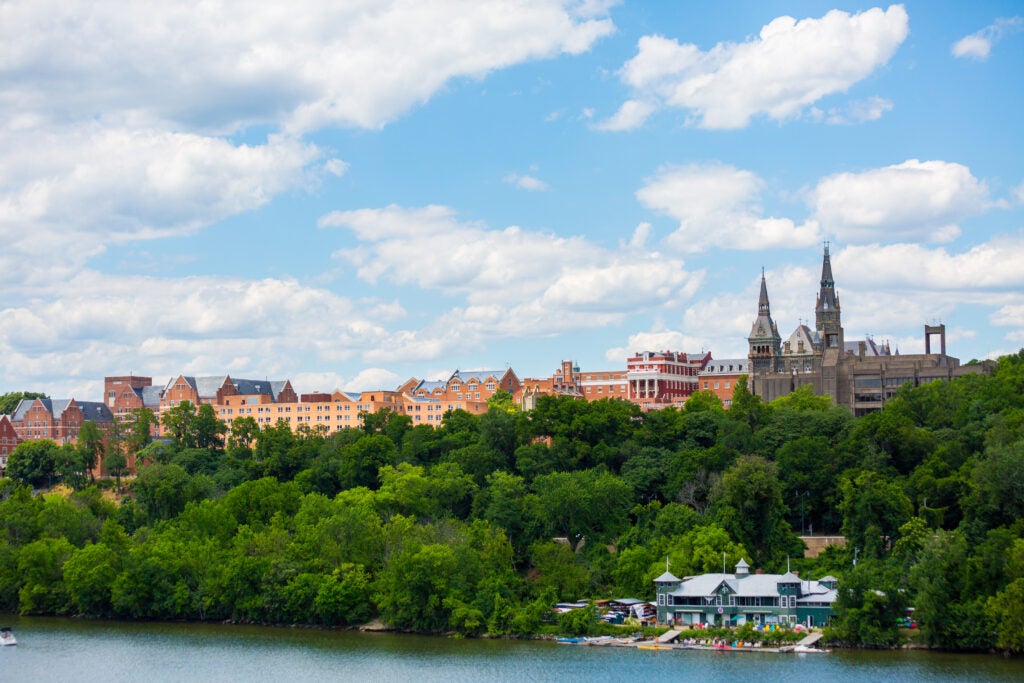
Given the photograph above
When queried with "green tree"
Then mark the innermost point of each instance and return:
(9, 401)
(180, 421)
(33, 463)
(140, 429)
(588, 503)
(747, 502)
(40, 565)
(89, 576)
(91, 446)
(873, 508)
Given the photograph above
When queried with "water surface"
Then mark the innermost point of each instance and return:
(76, 650)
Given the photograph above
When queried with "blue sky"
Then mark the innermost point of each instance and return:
(350, 193)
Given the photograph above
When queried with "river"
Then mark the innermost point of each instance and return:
(81, 651)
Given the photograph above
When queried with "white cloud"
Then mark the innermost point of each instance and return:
(978, 45)
(336, 167)
(373, 378)
(988, 267)
(718, 205)
(510, 280)
(310, 63)
(789, 66)
(656, 340)
(632, 114)
(913, 200)
(860, 111)
(65, 197)
(90, 325)
(526, 182)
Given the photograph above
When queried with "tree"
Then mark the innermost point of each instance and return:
(140, 429)
(873, 508)
(9, 401)
(91, 446)
(588, 503)
(747, 502)
(33, 463)
(115, 463)
(179, 421)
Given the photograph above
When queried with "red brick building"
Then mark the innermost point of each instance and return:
(57, 419)
(720, 376)
(658, 379)
(8, 440)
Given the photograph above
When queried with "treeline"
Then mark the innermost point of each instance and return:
(479, 526)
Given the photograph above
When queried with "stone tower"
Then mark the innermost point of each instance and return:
(827, 318)
(764, 340)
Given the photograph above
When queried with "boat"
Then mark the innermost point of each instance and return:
(7, 636)
(654, 646)
(807, 649)
(570, 641)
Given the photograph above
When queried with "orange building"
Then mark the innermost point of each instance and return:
(720, 376)
(463, 390)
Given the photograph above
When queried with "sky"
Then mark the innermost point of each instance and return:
(350, 193)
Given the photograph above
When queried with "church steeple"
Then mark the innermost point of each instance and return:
(764, 340)
(827, 312)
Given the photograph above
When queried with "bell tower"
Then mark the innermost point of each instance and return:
(827, 318)
(764, 340)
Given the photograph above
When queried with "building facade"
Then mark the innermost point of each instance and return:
(719, 376)
(57, 419)
(9, 440)
(860, 375)
(741, 598)
(658, 379)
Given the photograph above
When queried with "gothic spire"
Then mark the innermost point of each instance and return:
(763, 307)
(827, 295)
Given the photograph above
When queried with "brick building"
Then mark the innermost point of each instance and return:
(9, 440)
(658, 379)
(720, 376)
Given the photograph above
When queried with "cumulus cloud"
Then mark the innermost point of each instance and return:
(718, 205)
(978, 45)
(308, 63)
(509, 280)
(65, 196)
(914, 200)
(194, 325)
(656, 340)
(988, 267)
(789, 66)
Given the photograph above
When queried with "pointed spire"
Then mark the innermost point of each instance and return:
(763, 307)
(826, 270)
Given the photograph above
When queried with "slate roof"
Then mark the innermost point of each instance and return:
(752, 585)
(724, 366)
(91, 410)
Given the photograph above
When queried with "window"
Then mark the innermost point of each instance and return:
(661, 599)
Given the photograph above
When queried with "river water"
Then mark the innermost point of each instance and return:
(73, 650)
